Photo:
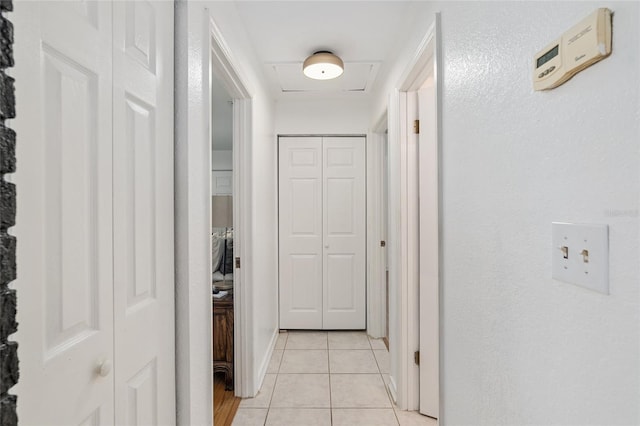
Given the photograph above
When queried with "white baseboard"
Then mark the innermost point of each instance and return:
(393, 390)
(264, 363)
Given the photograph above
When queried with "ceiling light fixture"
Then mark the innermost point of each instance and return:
(323, 65)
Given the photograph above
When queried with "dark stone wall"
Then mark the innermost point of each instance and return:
(8, 350)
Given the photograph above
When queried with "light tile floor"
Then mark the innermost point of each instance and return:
(318, 378)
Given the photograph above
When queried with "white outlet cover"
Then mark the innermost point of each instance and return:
(594, 274)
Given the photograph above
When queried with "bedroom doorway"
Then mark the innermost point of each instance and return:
(230, 130)
(222, 253)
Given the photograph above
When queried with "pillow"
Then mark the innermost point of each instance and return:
(217, 247)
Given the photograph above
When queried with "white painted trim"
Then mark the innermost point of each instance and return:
(243, 318)
(403, 312)
(412, 294)
(224, 65)
(194, 370)
(393, 389)
(375, 303)
(418, 70)
(404, 392)
(438, 63)
(194, 46)
(380, 264)
(398, 233)
(376, 291)
(264, 364)
(393, 243)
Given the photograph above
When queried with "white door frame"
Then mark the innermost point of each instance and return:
(224, 66)
(404, 328)
(376, 270)
(199, 48)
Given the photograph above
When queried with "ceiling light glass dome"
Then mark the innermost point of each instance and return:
(323, 65)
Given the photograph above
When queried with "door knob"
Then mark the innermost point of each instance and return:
(104, 368)
(326, 246)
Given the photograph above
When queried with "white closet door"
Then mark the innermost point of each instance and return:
(143, 213)
(322, 233)
(64, 223)
(300, 187)
(344, 212)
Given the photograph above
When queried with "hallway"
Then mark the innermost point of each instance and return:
(326, 378)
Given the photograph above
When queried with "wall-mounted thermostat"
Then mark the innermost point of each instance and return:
(582, 46)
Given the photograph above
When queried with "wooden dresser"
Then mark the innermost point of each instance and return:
(223, 338)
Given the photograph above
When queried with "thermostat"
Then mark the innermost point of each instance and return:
(577, 49)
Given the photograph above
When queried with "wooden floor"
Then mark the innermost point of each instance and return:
(225, 403)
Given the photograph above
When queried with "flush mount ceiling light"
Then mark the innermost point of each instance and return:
(323, 65)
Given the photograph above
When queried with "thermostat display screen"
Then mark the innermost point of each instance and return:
(548, 56)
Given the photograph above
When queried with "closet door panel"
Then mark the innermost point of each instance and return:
(344, 214)
(64, 212)
(300, 232)
(143, 213)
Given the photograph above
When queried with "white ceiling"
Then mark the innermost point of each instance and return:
(365, 34)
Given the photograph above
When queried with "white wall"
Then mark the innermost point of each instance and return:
(193, 168)
(323, 116)
(519, 347)
(221, 160)
(221, 115)
(192, 217)
(262, 258)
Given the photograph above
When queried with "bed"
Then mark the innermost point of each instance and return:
(222, 258)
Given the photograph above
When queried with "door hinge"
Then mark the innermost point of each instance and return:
(383, 243)
(416, 357)
(416, 127)
(237, 263)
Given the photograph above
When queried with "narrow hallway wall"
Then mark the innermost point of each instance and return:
(263, 187)
(520, 347)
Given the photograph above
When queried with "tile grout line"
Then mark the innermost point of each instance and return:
(273, 391)
(330, 398)
(327, 350)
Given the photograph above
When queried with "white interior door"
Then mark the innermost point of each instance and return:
(429, 252)
(300, 230)
(64, 225)
(143, 213)
(322, 232)
(344, 231)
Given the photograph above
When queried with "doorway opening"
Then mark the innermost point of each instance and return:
(415, 184)
(222, 255)
(230, 132)
(379, 242)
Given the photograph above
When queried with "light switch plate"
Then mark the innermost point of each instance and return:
(580, 255)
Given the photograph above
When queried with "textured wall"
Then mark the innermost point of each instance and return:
(521, 348)
(8, 349)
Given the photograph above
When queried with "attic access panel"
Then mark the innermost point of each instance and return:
(357, 77)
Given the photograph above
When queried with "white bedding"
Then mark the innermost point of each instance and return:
(217, 247)
(217, 276)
